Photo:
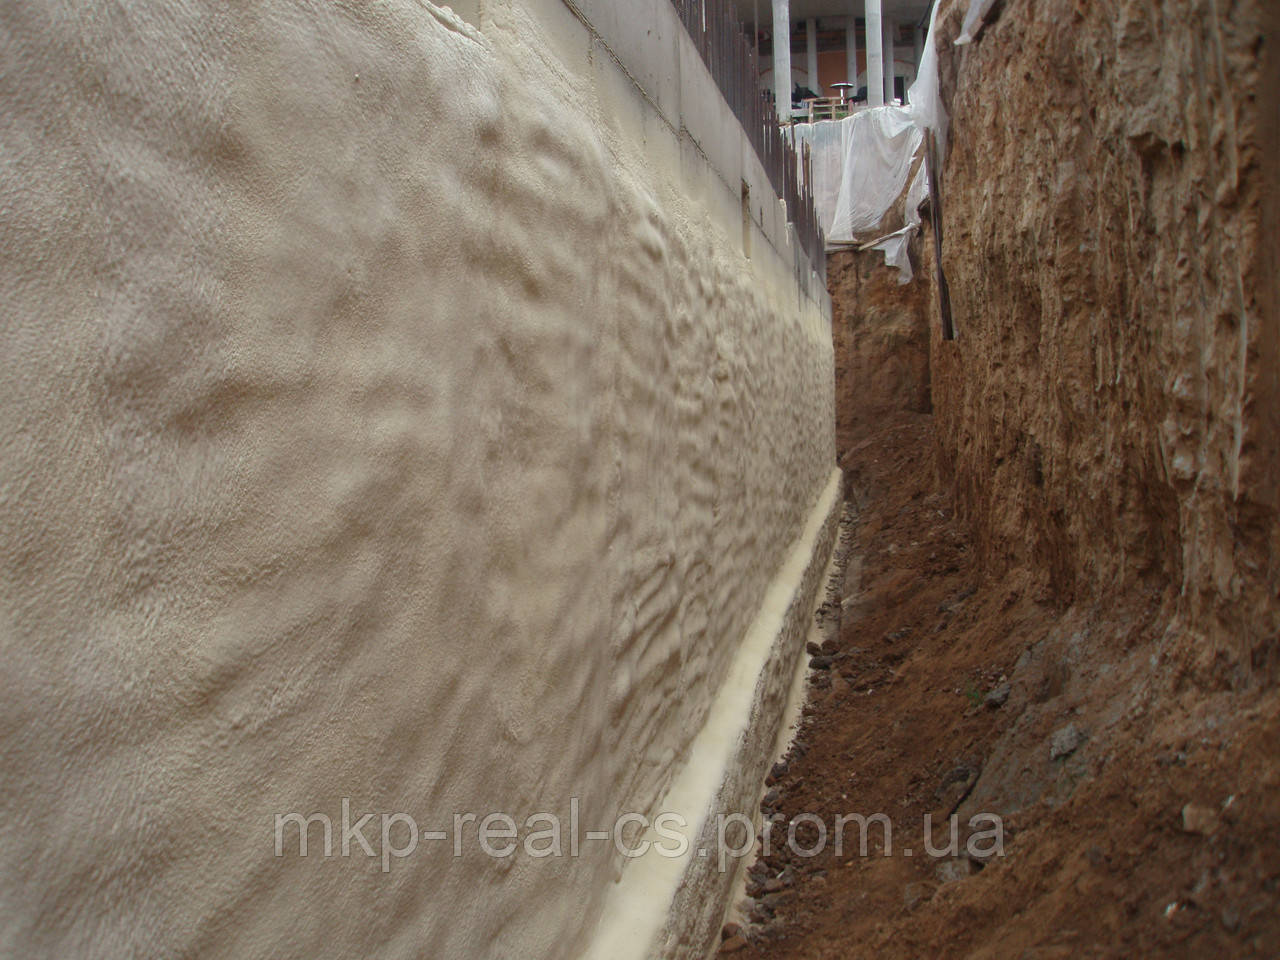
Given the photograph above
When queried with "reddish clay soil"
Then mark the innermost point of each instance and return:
(1156, 833)
(880, 333)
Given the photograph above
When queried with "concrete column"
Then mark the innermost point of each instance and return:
(917, 39)
(888, 59)
(782, 57)
(811, 49)
(875, 55)
(851, 53)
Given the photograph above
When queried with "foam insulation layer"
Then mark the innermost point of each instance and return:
(389, 413)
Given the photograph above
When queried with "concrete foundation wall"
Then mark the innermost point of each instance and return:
(391, 413)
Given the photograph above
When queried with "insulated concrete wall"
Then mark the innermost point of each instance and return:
(390, 412)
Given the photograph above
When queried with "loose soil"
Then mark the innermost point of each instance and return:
(1156, 832)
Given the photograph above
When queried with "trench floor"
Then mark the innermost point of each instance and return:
(898, 722)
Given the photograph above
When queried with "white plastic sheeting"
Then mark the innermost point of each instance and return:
(925, 96)
(894, 246)
(860, 167)
(973, 18)
(861, 163)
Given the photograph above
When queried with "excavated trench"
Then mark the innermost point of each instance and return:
(1060, 606)
(945, 692)
(428, 411)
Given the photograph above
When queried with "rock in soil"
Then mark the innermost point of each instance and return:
(957, 868)
(1065, 741)
(921, 891)
(1198, 819)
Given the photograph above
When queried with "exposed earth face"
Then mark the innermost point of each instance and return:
(1060, 603)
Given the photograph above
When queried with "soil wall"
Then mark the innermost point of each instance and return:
(880, 330)
(1109, 411)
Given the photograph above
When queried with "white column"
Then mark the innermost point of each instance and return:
(851, 53)
(888, 59)
(811, 49)
(875, 55)
(782, 57)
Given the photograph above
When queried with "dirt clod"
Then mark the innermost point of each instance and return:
(1198, 819)
(998, 697)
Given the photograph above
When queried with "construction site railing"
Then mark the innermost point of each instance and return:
(721, 40)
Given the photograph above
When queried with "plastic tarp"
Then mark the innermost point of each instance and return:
(925, 96)
(829, 147)
(894, 246)
(860, 167)
(973, 19)
(861, 164)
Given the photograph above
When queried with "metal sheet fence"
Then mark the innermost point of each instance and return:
(722, 42)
